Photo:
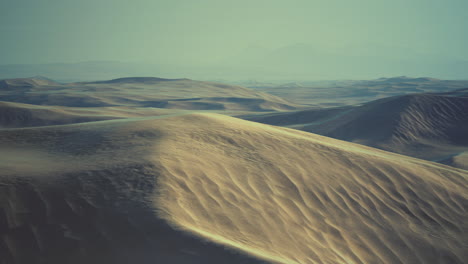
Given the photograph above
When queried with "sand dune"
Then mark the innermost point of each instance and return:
(83, 194)
(18, 83)
(105, 192)
(349, 92)
(427, 126)
(24, 115)
(182, 94)
(146, 80)
(458, 92)
(15, 115)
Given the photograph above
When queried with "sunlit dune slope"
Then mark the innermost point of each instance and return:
(295, 197)
(282, 195)
(84, 193)
(427, 126)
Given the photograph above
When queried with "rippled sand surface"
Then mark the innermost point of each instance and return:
(154, 190)
(295, 197)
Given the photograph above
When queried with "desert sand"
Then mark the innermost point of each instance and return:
(180, 188)
(16, 115)
(155, 92)
(350, 92)
(426, 125)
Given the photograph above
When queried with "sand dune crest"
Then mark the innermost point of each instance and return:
(295, 197)
(279, 194)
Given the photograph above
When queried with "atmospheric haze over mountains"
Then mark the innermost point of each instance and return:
(210, 40)
(291, 63)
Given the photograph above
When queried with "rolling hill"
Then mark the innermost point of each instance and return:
(179, 189)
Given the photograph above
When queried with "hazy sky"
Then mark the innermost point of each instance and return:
(41, 31)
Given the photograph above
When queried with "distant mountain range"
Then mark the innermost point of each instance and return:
(292, 62)
(318, 62)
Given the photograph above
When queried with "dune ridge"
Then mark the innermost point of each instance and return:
(82, 193)
(293, 197)
(18, 83)
(136, 80)
(16, 115)
(351, 92)
(427, 126)
(279, 194)
(23, 115)
(184, 94)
